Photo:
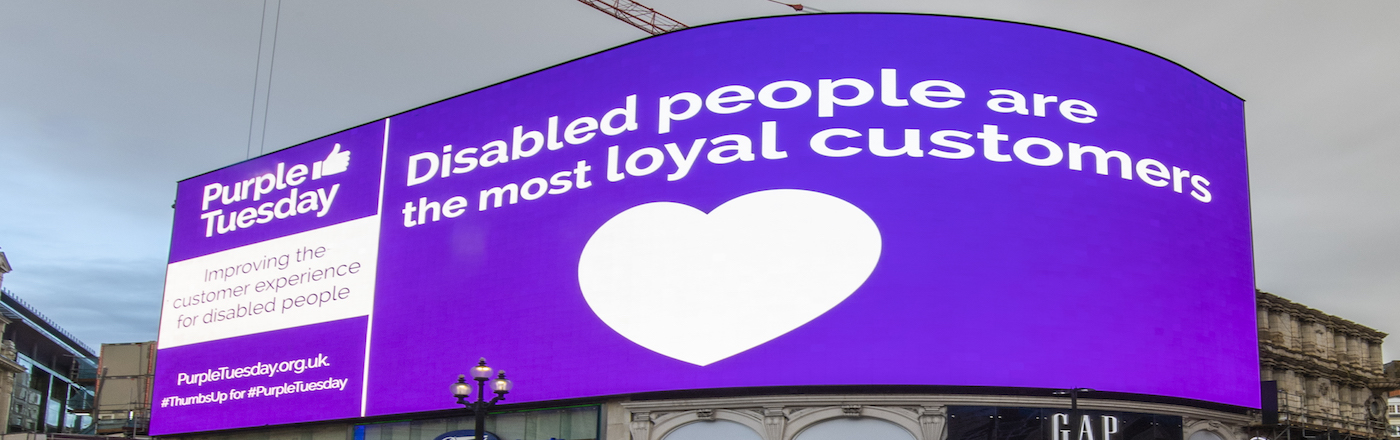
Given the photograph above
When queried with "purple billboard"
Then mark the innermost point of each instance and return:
(839, 199)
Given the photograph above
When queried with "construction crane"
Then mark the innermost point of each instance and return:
(637, 14)
(798, 7)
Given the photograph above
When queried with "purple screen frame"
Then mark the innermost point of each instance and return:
(991, 273)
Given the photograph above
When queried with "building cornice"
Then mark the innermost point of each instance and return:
(10, 366)
(1271, 302)
(929, 400)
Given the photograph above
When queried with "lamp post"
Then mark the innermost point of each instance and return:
(481, 373)
(1076, 419)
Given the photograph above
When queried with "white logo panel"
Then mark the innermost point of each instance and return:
(312, 277)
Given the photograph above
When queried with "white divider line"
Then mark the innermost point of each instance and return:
(369, 320)
(383, 166)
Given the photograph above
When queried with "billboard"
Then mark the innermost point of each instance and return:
(835, 199)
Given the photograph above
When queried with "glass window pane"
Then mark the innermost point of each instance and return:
(971, 423)
(713, 430)
(863, 428)
(1020, 424)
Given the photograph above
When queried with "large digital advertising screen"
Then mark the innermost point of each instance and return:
(836, 199)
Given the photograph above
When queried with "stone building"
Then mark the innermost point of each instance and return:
(54, 386)
(1328, 372)
(8, 356)
(4, 268)
(1392, 407)
(9, 368)
(46, 374)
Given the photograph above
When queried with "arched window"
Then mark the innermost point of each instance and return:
(713, 430)
(863, 428)
(1205, 435)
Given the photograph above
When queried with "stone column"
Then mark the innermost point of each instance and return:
(8, 368)
(641, 426)
(934, 422)
(774, 422)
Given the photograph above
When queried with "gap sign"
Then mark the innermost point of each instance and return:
(1005, 423)
(832, 199)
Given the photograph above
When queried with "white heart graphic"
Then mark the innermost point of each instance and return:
(701, 288)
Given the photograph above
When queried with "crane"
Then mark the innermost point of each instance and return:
(637, 15)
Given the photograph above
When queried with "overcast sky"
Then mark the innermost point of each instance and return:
(104, 106)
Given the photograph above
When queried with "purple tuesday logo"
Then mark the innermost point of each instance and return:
(667, 276)
(297, 201)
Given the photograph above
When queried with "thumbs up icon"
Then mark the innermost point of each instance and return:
(337, 162)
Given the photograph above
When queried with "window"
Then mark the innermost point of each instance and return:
(863, 428)
(712, 430)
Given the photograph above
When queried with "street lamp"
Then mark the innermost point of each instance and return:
(1076, 421)
(481, 373)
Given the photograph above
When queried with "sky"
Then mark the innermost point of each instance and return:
(104, 106)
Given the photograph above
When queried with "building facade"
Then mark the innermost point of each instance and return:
(1328, 372)
(8, 355)
(4, 268)
(1392, 408)
(56, 373)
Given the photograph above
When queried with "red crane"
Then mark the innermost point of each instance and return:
(637, 14)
